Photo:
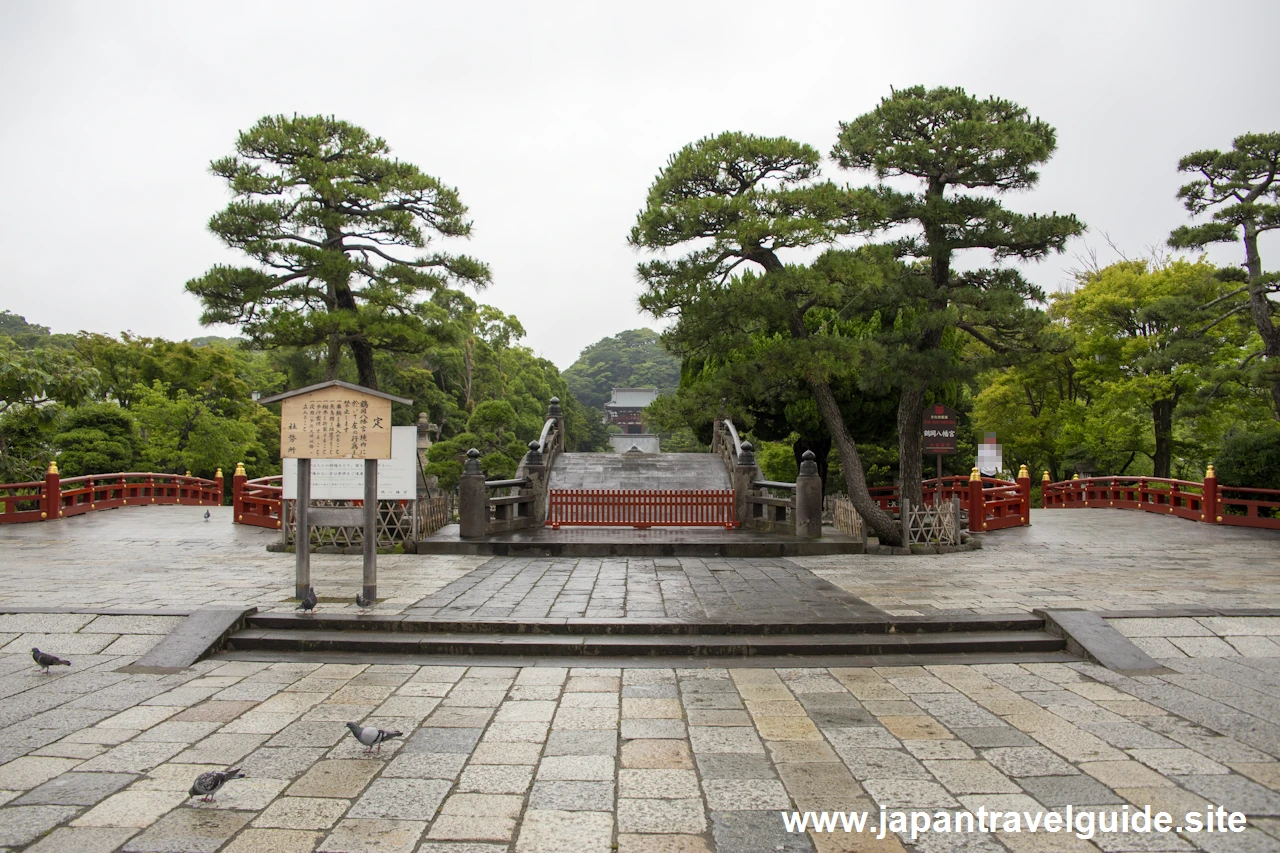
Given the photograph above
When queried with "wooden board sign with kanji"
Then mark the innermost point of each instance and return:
(334, 420)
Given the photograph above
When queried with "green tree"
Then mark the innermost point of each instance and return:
(1144, 337)
(1242, 188)
(38, 377)
(952, 144)
(182, 433)
(322, 210)
(631, 359)
(97, 438)
(735, 200)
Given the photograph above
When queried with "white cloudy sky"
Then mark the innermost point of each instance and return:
(553, 118)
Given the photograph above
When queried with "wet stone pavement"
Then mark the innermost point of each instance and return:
(500, 759)
(697, 589)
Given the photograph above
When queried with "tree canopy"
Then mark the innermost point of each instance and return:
(325, 213)
(1242, 189)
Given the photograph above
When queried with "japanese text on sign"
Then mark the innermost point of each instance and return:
(939, 428)
(335, 423)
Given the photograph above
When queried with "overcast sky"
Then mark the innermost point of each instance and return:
(552, 120)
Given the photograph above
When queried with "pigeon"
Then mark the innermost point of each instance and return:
(46, 660)
(207, 784)
(362, 602)
(206, 515)
(370, 737)
(309, 600)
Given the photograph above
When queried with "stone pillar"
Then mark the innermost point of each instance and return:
(1209, 508)
(52, 493)
(977, 504)
(554, 411)
(808, 508)
(1024, 492)
(534, 466)
(744, 473)
(473, 498)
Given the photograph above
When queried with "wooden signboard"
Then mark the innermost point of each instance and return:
(335, 423)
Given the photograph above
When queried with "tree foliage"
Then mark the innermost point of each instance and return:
(1242, 189)
(325, 213)
(962, 153)
(97, 438)
(631, 359)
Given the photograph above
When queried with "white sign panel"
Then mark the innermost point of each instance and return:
(343, 479)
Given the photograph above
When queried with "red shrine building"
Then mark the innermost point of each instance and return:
(626, 409)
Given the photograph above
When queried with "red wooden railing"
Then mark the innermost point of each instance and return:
(55, 497)
(256, 502)
(1001, 503)
(650, 508)
(1207, 501)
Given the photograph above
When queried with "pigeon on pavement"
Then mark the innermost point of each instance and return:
(207, 784)
(46, 660)
(309, 600)
(370, 737)
(206, 515)
(362, 602)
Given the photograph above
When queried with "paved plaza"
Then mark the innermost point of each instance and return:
(683, 758)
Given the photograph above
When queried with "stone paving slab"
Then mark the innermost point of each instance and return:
(542, 758)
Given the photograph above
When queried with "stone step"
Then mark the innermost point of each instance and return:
(407, 623)
(656, 645)
(638, 471)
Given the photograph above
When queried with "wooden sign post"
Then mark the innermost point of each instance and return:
(335, 420)
(939, 429)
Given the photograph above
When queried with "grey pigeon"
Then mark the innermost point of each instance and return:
(371, 737)
(206, 515)
(46, 660)
(207, 784)
(362, 602)
(309, 600)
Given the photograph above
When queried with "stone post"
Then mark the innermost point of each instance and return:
(534, 466)
(808, 508)
(1024, 492)
(52, 493)
(1209, 502)
(977, 505)
(554, 411)
(744, 473)
(473, 498)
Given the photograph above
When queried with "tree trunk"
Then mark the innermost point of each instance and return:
(363, 354)
(880, 522)
(333, 358)
(1260, 308)
(910, 461)
(1162, 415)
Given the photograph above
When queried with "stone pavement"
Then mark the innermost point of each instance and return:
(541, 759)
(698, 589)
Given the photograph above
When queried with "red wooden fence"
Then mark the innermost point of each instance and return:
(1207, 502)
(1000, 503)
(650, 508)
(55, 497)
(256, 502)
